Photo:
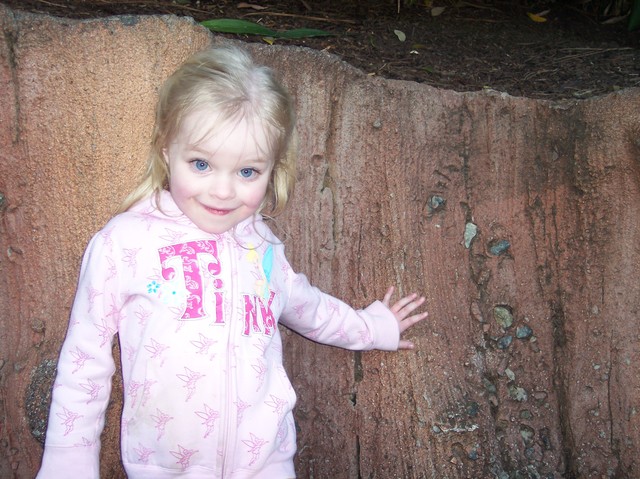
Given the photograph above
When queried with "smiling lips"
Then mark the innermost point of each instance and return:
(216, 211)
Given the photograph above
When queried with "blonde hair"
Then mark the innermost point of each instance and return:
(226, 80)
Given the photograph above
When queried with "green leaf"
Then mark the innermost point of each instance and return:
(400, 34)
(244, 27)
(227, 25)
(634, 18)
(305, 33)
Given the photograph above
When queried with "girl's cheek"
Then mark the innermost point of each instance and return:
(259, 196)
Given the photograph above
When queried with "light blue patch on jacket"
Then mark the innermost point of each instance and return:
(267, 263)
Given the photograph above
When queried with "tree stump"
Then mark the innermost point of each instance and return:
(517, 218)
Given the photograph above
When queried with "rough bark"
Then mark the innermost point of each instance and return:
(518, 219)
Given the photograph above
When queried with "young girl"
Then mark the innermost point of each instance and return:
(195, 284)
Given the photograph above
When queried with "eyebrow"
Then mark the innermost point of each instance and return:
(207, 153)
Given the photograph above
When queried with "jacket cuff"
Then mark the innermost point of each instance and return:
(70, 462)
(384, 327)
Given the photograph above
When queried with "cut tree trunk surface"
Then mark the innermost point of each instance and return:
(516, 217)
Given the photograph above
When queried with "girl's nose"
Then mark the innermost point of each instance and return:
(222, 187)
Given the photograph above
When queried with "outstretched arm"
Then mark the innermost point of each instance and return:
(402, 310)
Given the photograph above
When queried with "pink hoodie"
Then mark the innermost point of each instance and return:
(205, 391)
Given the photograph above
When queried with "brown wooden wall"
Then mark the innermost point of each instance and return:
(518, 219)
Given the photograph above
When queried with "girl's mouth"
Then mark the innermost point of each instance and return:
(216, 211)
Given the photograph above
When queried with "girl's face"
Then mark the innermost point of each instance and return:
(220, 179)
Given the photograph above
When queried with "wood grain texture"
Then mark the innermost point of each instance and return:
(517, 219)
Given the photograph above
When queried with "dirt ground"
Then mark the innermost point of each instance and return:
(468, 46)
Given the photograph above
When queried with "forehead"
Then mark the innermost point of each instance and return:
(205, 127)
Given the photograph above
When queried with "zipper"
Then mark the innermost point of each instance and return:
(231, 410)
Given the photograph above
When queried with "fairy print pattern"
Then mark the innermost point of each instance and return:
(105, 332)
(342, 336)
(241, 407)
(277, 405)
(209, 417)
(92, 389)
(143, 315)
(203, 344)
(112, 270)
(85, 443)
(161, 419)
(365, 337)
(156, 350)
(172, 236)
(92, 294)
(132, 391)
(143, 453)
(282, 436)
(183, 455)
(190, 378)
(146, 390)
(255, 445)
(79, 359)
(197, 317)
(261, 369)
(68, 419)
(129, 258)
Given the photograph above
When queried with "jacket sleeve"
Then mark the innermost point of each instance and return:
(325, 319)
(83, 383)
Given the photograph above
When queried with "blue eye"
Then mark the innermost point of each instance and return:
(200, 165)
(247, 172)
